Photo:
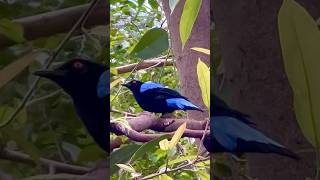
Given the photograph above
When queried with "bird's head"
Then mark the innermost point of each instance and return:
(75, 76)
(133, 85)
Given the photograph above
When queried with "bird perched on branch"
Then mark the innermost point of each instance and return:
(154, 97)
(88, 85)
(232, 132)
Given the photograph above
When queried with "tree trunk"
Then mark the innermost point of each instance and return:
(186, 59)
(255, 81)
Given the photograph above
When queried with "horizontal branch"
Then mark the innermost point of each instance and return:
(144, 65)
(59, 21)
(146, 121)
(6, 154)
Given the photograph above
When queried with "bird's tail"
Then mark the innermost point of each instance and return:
(284, 152)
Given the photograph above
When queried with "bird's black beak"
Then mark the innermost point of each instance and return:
(125, 85)
(50, 74)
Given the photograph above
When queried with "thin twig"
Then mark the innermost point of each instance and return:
(175, 169)
(50, 60)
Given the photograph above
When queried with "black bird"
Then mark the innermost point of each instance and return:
(232, 132)
(88, 85)
(154, 97)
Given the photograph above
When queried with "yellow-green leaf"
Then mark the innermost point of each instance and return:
(115, 82)
(204, 81)
(164, 144)
(203, 50)
(300, 42)
(177, 135)
(126, 168)
(189, 15)
(162, 177)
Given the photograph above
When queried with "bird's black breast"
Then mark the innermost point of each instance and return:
(94, 114)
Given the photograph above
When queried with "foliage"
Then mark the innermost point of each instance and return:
(300, 39)
(48, 126)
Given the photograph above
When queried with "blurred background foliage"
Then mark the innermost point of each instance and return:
(48, 125)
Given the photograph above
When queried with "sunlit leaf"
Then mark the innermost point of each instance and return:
(115, 82)
(204, 81)
(300, 42)
(162, 177)
(126, 168)
(189, 15)
(203, 50)
(177, 135)
(164, 144)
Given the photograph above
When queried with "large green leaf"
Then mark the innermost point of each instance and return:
(153, 43)
(11, 30)
(300, 42)
(189, 15)
(146, 147)
(121, 156)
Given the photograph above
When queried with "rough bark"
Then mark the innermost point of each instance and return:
(186, 59)
(256, 84)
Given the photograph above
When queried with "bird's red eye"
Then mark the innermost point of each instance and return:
(77, 65)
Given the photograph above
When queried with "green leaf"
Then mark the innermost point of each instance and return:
(23, 143)
(162, 177)
(221, 170)
(173, 4)
(203, 175)
(11, 30)
(188, 17)
(140, 2)
(153, 43)
(204, 81)
(300, 42)
(179, 160)
(122, 156)
(154, 4)
(146, 147)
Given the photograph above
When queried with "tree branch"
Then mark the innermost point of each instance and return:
(146, 121)
(59, 21)
(59, 167)
(157, 62)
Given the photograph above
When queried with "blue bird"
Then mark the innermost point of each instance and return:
(232, 132)
(154, 97)
(88, 85)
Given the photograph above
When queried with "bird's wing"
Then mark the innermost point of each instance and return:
(102, 86)
(181, 103)
(150, 85)
(163, 93)
(228, 130)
